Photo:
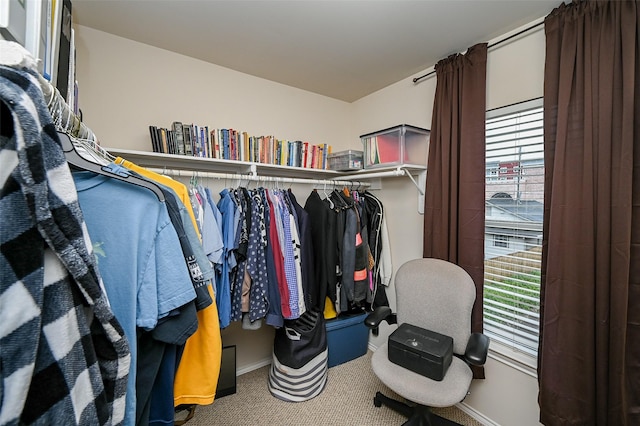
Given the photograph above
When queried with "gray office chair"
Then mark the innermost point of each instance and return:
(436, 295)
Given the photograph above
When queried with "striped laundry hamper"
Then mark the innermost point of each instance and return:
(300, 358)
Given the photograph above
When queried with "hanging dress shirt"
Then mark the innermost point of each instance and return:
(227, 208)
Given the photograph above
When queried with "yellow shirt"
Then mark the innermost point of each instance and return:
(179, 188)
(196, 380)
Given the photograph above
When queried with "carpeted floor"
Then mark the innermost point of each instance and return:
(347, 400)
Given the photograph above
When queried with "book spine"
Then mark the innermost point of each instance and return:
(325, 152)
(305, 154)
(163, 139)
(154, 139)
(177, 130)
(232, 145)
(186, 135)
(218, 149)
(314, 157)
(171, 141)
(203, 143)
(225, 136)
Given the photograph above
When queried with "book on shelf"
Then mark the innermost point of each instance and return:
(162, 140)
(213, 137)
(231, 144)
(186, 138)
(245, 144)
(154, 138)
(207, 142)
(195, 144)
(179, 138)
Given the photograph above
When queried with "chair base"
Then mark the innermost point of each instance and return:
(418, 415)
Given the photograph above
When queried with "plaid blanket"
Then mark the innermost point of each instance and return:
(63, 354)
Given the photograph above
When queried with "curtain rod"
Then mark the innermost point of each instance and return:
(417, 79)
(240, 177)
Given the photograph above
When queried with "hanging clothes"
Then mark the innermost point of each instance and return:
(283, 227)
(312, 296)
(275, 293)
(379, 247)
(139, 257)
(238, 275)
(56, 325)
(227, 209)
(256, 260)
(278, 260)
(323, 229)
(188, 372)
(171, 331)
(361, 263)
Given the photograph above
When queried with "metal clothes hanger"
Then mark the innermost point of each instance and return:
(78, 161)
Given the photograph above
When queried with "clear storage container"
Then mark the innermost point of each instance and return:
(345, 160)
(403, 144)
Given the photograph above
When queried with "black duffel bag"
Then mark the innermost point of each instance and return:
(300, 358)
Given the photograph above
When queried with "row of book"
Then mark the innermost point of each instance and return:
(230, 144)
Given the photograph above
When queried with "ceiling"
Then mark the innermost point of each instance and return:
(343, 49)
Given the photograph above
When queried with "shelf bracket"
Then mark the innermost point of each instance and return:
(420, 185)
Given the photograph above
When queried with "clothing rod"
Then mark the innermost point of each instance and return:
(63, 117)
(399, 171)
(374, 175)
(417, 79)
(257, 178)
(14, 54)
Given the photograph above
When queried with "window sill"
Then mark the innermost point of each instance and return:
(514, 359)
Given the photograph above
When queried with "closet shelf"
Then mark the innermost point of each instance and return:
(385, 171)
(417, 173)
(181, 162)
(199, 164)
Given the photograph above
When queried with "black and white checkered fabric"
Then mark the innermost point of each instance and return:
(63, 355)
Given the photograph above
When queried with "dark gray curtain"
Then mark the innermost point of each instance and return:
(589, 356)
(454, 197)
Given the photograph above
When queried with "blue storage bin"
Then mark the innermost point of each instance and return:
(347, 338)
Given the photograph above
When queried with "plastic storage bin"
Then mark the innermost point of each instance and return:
(345, 160)
(347, 338)
(403, 144)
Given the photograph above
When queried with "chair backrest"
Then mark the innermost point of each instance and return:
(436, 295)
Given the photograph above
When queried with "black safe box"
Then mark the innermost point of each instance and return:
(422, 351)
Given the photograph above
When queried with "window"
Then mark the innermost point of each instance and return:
(501, 241)
(513, 225)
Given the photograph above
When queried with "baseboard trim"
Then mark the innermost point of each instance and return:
(472, 412)
(249, 368)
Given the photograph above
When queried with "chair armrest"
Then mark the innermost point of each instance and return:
(379, 314)
(477, 349)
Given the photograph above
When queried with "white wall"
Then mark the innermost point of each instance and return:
(126, 86)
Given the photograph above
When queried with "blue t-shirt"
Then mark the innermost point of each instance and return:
(139, 257)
